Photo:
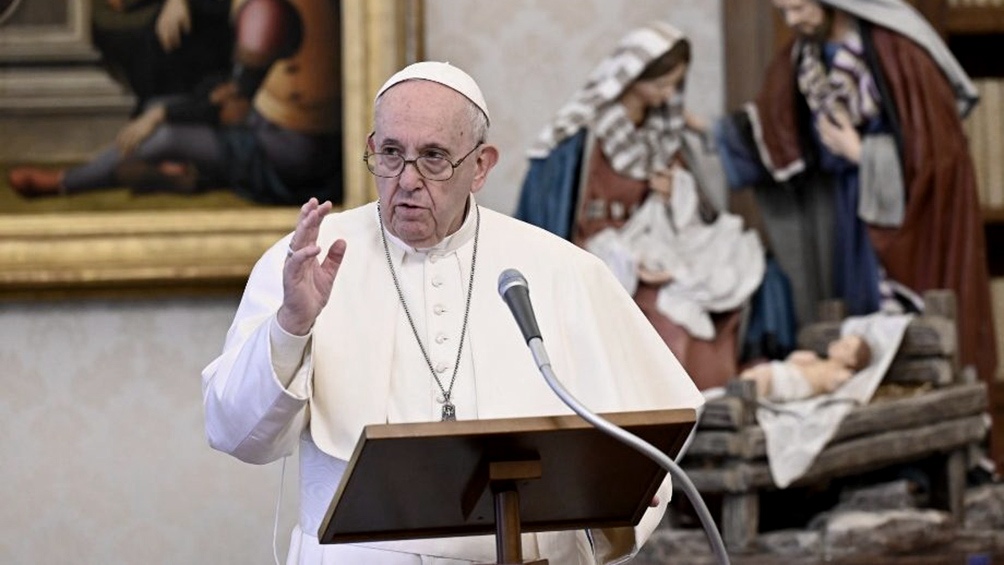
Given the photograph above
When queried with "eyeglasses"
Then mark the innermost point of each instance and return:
(431, 167)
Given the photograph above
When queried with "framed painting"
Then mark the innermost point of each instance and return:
(156, 244)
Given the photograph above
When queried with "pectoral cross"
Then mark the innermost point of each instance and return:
(449, 411)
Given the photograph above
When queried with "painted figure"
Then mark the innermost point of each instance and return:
(861, 168)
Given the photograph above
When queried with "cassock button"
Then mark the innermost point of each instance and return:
(433, 257)
(441, 338)
(437, 281)
(438, 309)
(441, 368)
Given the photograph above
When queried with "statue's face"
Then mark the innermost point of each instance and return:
(808, 18)
(658, 91)
(845, 350)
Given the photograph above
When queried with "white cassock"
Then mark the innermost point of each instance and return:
(269, 391)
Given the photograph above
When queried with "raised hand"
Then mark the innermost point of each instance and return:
(173, 21)
(839, 136)
(307, 282)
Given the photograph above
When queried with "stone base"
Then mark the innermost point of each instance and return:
(847, 536)
(59, 115)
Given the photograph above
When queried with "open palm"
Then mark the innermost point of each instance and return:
(307, 282)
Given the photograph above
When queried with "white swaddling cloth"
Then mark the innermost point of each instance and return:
(715, 266)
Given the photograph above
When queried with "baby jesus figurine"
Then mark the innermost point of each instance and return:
(804, 374)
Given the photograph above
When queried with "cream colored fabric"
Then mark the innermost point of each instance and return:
(787, 383)
(714, 266)
(362, 358)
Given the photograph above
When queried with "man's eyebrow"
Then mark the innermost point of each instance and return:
(387, 141)
(424, 147)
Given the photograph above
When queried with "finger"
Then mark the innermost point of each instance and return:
(305, 211)
(312, 222)
(298, 257)
(298, 232)
(336, 253)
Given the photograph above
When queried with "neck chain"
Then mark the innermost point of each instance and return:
(449, 410)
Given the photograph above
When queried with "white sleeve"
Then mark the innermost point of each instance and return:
(287, 358)
(250, 413)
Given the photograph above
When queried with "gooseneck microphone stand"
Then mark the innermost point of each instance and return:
(513, 288)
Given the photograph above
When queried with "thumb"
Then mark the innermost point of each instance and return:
(333, 260)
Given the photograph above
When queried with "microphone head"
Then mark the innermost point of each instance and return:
(516, 294)
(510, 278)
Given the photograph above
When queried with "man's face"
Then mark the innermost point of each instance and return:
(806, 17)
(423, 118)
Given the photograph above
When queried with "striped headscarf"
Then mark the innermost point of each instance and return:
(847, 87)
(633, 152)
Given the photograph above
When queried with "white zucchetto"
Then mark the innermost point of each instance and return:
(443, 73)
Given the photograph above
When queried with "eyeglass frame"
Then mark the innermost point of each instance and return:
(414, 163)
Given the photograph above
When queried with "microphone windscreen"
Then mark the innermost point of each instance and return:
(510, 278)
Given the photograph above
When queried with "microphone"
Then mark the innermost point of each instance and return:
(516, 293)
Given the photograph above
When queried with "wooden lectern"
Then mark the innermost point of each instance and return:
(503, 476)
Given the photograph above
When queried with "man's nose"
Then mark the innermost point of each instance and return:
(410, 178)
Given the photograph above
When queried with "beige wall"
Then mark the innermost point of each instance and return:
(104, 457)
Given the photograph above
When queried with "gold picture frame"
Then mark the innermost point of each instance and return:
(149, 253)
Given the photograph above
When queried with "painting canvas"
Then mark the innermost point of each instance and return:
(65, 99)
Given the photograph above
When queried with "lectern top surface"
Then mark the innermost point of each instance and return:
(407, 481)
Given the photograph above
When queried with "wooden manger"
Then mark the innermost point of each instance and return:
(945, 415)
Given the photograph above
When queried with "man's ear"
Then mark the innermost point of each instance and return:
(370, 144)
(488, 156)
